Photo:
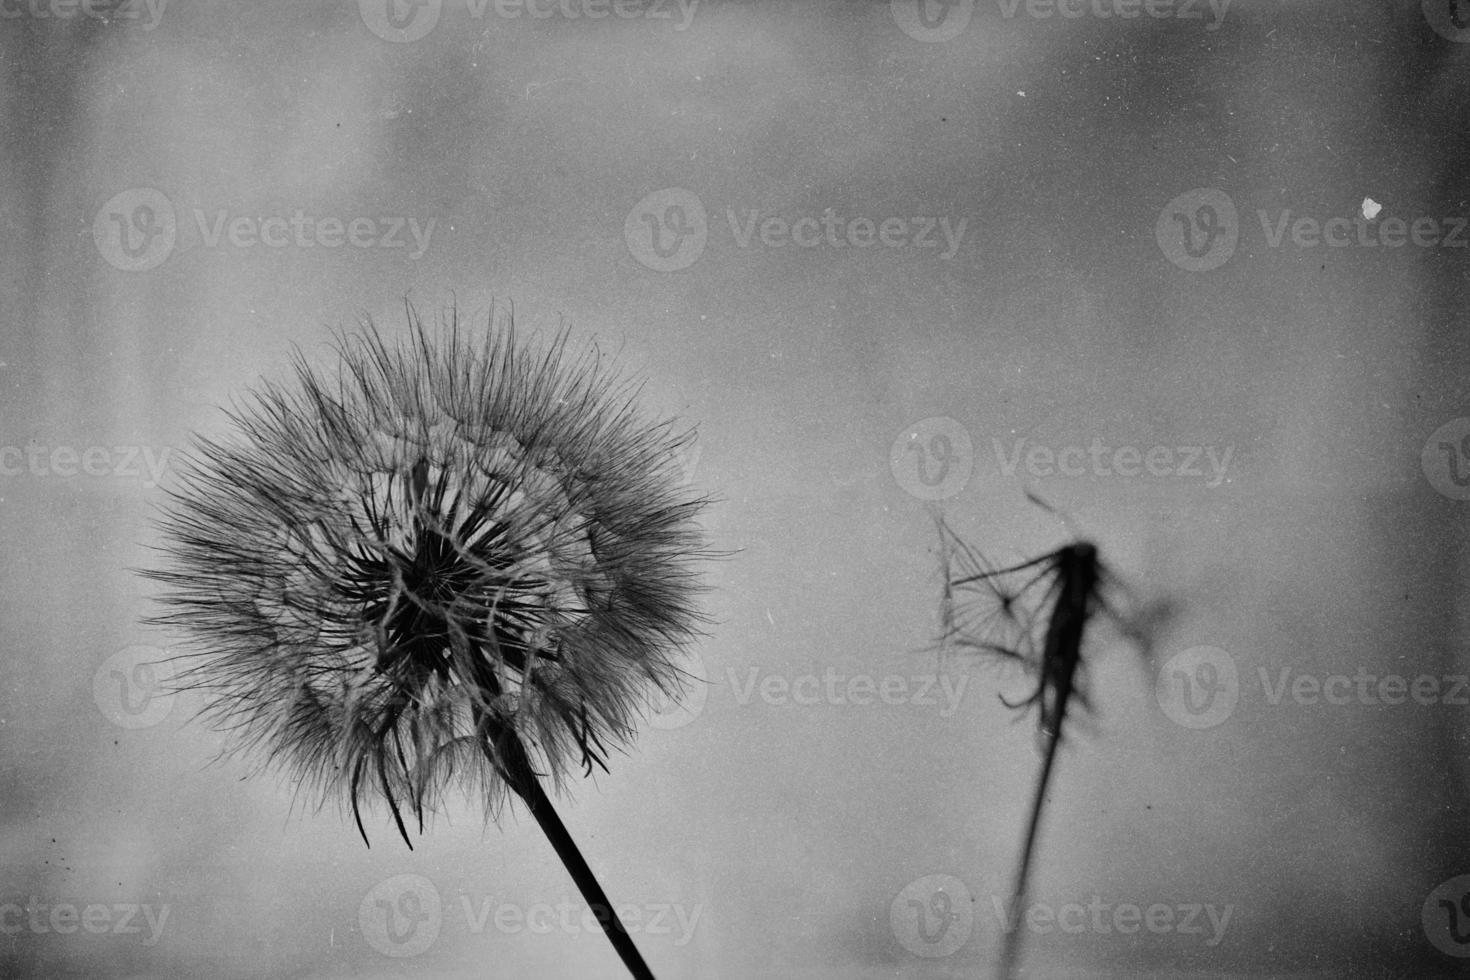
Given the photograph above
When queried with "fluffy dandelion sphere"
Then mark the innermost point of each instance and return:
(449, 560)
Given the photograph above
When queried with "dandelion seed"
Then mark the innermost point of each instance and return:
(450, 562)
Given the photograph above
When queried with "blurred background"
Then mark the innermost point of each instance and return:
(1194, 273)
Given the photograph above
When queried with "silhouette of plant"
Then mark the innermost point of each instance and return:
(1036, 614)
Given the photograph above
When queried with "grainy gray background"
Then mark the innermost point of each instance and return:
(790, 836)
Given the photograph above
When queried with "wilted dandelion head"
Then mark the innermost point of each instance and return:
(1032, 614)
(398, 573)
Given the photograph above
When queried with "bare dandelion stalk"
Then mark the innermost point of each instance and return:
(1076, 573)
(448, 562)
(1036, 614)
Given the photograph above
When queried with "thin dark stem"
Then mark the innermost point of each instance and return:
(1011, 949)
(509, 757)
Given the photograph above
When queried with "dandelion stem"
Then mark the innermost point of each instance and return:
(509, 756)
(1011, 950)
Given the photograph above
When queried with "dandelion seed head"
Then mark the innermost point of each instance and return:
(390, 568)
